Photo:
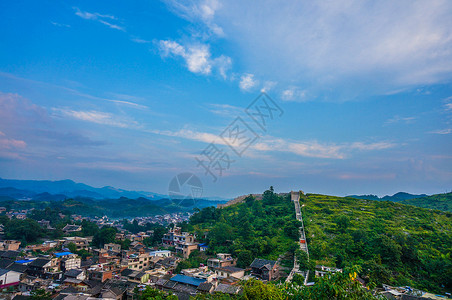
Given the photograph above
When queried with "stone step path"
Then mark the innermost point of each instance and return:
(295, 197)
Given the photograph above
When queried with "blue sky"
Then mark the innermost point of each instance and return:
(130, 94)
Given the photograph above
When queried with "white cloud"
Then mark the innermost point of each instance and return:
(101, 18)
(272, 144)
(268, 85)
(399, 119)
(225, 110)
(382, 45)
(11, 143)
(191, 135)
(139, 41)
(247, 82)
(293, 93)
(97, 117)
(60, 24)
(442, 131)
(200, 12)
(197, 57)
(317, 149)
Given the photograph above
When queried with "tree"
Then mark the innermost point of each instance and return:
(40, 294)
(339, 286)
(104, 236)
(89, 228)
(151, 293)
(342, 222)
(256, 289)
(72, 247)
(245, 258)
(27, 230)
(303, 260)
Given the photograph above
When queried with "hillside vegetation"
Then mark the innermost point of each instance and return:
(393, 243)
(440, 202)
(263, 228)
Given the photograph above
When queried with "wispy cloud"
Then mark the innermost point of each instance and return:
(301, 148)
(101, 18)
(294, 93)
(60, 24)
(200, 11)
(139, 41)
(386, 45)
(97, 117)
(7, 143)
(268, 85)
(442, 131)
(247, 82)
(225, 109)
(197, 57)
(399, 119)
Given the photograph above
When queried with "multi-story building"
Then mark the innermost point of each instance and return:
(137, 261)
(68, 261)
(79, 242)
(176, 237)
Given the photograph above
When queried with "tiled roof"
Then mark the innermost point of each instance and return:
(259, 263)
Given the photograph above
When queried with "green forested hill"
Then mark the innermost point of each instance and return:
(439, 201)
(392, 242)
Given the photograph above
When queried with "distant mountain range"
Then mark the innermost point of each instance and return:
(438, 201)
(63, 189)
(398, 197)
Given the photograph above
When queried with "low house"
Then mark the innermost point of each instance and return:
(79, 242)
(10, 245)
(113, 247)
(72, 228)
(186, 249)
(160, 253)
(227, 289)
(75, 274)
(226, 272)
(168, 263)
(203, 247)
(265, 269)
(321, 271)
(44, 268)
(11, 254)
(206, 288)
(135, 276)
(9, 278)
(222, 260)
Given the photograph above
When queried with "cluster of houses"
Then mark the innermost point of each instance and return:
(115, 273)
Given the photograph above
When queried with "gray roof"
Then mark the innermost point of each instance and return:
(18, 267)
(227, 289)
(259, 263)
(205, 287)
(5, 262)
(39, 262)
(73, 273)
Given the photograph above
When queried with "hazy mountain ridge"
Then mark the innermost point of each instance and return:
(30, 188)
(397, 197)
